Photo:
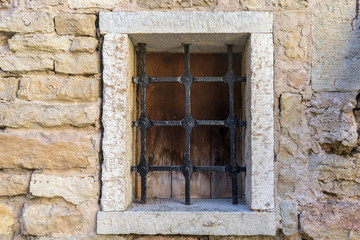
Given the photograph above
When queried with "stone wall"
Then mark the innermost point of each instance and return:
(50, 101)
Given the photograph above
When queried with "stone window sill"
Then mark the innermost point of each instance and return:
(203, 217)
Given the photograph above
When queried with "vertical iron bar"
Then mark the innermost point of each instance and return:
(188, 123)
(232, 123)
(144, 122)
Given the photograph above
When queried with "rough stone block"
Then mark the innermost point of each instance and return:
(45, 219)
(54, 87)
(337, 175)
(37, 149)
(336, 40)
(8, 88)
(78, 4)
(84, 44)
(6, 220)
(331, 221)
(334, 121)
(25, 63)
(26, 22)
(77, 63)
(30, 115)
(289, 217)
(286, 182)
(75, 190)
(291, 115)
(47, 43)
(14, 183)
(75, 24)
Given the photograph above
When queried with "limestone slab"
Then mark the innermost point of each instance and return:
(155, 22)
(30, 115)
(25, 63)
(14, 183)
(47, 43)
(26, 22)
(46, 219)
(117, 115)
(37, 149)
(84, 44)
(259, 153)
(75, 24)
(205, 217)
(77, 63)
(59, 88)
(75, 190)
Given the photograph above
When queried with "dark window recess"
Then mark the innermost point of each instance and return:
(231, 124)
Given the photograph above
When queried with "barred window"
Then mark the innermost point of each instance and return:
(189, 124)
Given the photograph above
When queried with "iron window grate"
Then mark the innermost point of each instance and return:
(188, 123)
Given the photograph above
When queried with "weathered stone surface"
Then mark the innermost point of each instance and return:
(158, 4)
(75, 190)
(337, 175)
(24, 63)
(43, 3)
(48, 149)
(286, 182)
(289, 217)
(291, 4)
(252, 4)
(8, 88)
(63, 88)
(6, 220)
(47, 43)
(259, 135)
(291, 115)
(331, 221)
(77, 63)
(6, 3)
(151, 222)
(117, 148)
(163, 22)
(87, 237)
(30, 115)
(26, 22)
(75, 24)
(14, 183)
(84, 44)
(44, 219)
(78, 4)
(336, 34)
(333, 122)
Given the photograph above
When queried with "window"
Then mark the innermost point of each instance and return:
(188, 123)
(164, 30)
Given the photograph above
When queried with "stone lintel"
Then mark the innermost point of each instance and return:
(156, 22)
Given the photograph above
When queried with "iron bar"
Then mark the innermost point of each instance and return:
(188, 123)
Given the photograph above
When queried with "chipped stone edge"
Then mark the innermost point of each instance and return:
(245, 223)
(118, 60)
(185, 22)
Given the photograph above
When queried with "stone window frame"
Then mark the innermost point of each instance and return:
(257, 216)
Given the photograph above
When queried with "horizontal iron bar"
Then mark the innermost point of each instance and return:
(195, 168)
(197, 123)
(195, 79)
